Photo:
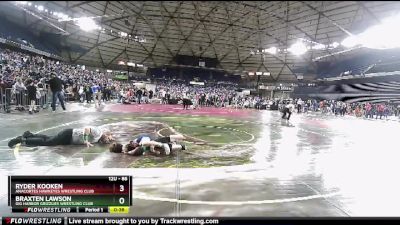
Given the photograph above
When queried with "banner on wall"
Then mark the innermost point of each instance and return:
(284, 88)
(197, 83)
(246, 92)
(262, 87)
(121, 77)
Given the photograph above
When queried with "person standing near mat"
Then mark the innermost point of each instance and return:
(78, 136)
(32, 91)
(18, 89)
(96, 90)
(185, 100)
(56, 86)
(287, 110)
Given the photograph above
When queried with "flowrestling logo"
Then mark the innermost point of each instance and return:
(47, 210)
(29, 220)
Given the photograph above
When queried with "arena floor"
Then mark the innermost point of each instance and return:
(239, 162)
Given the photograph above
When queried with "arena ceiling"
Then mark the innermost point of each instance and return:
(228, 31)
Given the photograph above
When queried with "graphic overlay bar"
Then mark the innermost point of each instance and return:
(140, 221)
(222, 221)
(195, 220)
(65, 194)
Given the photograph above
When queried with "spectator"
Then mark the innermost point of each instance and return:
(56, 86)
(32, 94)
(19, 89)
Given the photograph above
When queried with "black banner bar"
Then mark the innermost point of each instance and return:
(193, 220)
(9, 190)
(221, 221)
(130, 190)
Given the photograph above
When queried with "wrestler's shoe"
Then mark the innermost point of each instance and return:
(15, 141)
(167, 149)
(27, 134)
(183, 147)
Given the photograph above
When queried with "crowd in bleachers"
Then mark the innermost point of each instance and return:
(20, 70)
(215, 95)
(27, 74)
(331, 107)
(226, 96)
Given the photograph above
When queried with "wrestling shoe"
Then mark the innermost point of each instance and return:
(27, 134)
(15, 141)
(183, 147)
(167, 149)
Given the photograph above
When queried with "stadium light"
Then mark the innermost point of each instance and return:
(139, 65)
(61, 16)
(123, 34)
(259, 73)
(251, 73)
(335, 44)
(267, 74)
(131, 64)
(319, 47)
(87, 24)
(121, 63)
(351, 41)
(40, 8)
(298, 48)
(271, 50)
(109, 71)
